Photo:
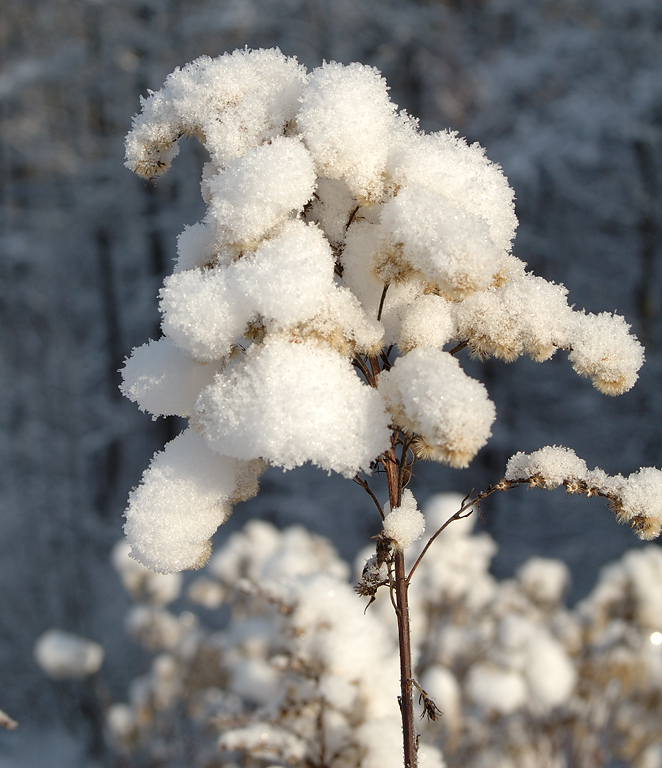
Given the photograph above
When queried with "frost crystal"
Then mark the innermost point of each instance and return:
(307, 314)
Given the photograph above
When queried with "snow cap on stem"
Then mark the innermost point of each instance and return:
(405, 524)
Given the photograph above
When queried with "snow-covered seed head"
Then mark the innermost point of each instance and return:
(345, 118)
(429, 395)
(604, 350)
(553, 465)
(638, 502)
(155, 157)
(231, 104)
(428, 322)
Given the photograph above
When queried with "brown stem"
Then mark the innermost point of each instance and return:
(458, 348)
(381, 302)
(358, 362)
(374, 366)
(402, 613)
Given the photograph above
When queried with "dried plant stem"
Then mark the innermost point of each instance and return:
(465, 510)
(364, 484)
(402, 613)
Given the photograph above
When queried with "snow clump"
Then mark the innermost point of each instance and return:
(184, 495)
(428, 394)
(405, 524)
(308, 313)
(551, 464)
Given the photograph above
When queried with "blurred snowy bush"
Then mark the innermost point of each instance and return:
(301, 677)
(64, 656)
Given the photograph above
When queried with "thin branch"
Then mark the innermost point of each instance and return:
(364, 484)
(457, 516)
(351, 217)
(360, 364)
(391, 466)
(381, 302)
(391, 589)
(410, 739)
(404, 465)
(376, 370)
(465, 510)
(320, 730)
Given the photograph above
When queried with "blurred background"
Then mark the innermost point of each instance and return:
(565, 94)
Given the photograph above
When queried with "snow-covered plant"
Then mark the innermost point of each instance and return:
(315, 313)
(300, 677)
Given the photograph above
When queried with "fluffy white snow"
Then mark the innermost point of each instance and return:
(361, 256)
(288, 277)
(196, 247)
(232, 103)
(449, 245)
(444, 163)
(256, 193)
(332, 207)
(604, 350)
(163, 379)
(289, 403)
(345, 118)
(641, 500)
(553, 464)
(429, 394)
(201, 313)
(427, 322)
(184, 495)
(525, 314)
